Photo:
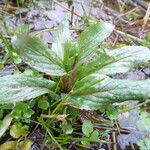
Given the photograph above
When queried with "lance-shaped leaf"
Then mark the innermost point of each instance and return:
(92, 36)
(62, 36)
(91, 93)
(37, 55)
(20, 87)
(94, 65)
(69, 55)
(126, 58)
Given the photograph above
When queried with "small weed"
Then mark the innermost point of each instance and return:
(68, 81)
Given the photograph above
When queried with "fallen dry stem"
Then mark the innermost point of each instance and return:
(146, 17)
(95, 20)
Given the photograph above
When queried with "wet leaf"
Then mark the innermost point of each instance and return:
(112, 112)
(84, 142)
(94, 65)
(15, 58)
(22, 110)
(62, 36)
(93, 91)
(70, 50)
(28, 113)
(43, 104)
(95, 135)
(37, 55)
(20, 87)
(92, 36)
(87, 128)
(126, 59)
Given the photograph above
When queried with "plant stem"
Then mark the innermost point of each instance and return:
(83, 139)
(60, 104)
(139, 105)
(50, 134)
(58, 145)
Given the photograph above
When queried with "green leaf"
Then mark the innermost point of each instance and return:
(94, 65)
(87, 128)
(28, 113)
(144, 144)
(21, 107)
(43, 104)
(31, 72)
(95, 135)
(9, 145)
(23, 28)
(62, 36)
(12, 145)
(92, 36)
(17, 130)
(85, 142)
(126, 59)
(85, 84)
(69, 55)
(112, 113)
(67, 128)
(20, 87)
(25, 145)
(15, 58)
(1, 113)
(4, 125)
(92, 94)
(63, 46)
(37, 55)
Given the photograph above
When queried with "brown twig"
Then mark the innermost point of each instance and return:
(146, 17)
(141, 4)
(129, 35)
(53, 30)
(111, 129)
(136, 22)
(114, 141)
(117, 126)
(58, 3)
(8, 7)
